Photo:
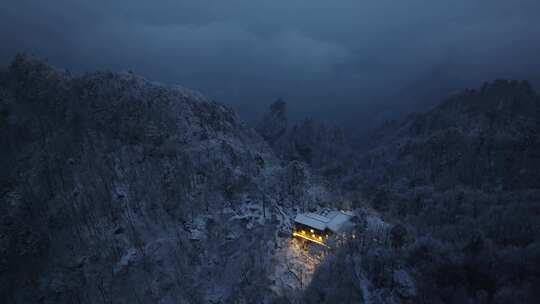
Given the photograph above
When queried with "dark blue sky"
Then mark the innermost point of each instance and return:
(345, 60)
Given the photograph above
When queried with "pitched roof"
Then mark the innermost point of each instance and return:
(340, 221)
(312, 220)
(335, 221)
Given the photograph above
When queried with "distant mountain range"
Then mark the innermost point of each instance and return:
(480, 138)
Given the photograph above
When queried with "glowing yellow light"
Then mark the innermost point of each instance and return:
(309, 239)
(303, 232)
(311, 230)
(320, 238)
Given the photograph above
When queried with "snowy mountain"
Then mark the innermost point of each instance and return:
(461, 184)
(114, 188)
(479, 138)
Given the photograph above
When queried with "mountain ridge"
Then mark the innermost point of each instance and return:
(116, 188)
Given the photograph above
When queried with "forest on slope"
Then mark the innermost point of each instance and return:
(115, 189)
(461, 184)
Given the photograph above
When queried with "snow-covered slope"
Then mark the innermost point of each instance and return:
(479, 138)
(118, 189)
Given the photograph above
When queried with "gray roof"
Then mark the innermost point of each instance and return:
(339, 221)
(335, 221)
(312, 220)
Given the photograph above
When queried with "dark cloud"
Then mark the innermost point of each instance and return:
(342, 60)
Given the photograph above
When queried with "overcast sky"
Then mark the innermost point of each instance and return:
(345, 60)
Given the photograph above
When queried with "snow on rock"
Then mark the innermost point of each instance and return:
(251, 212)
(197, 228)
(125, 260)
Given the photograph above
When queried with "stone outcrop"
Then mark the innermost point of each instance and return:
(274, 123)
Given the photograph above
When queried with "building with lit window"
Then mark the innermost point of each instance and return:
(318, 228)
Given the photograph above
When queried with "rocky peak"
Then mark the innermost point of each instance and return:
(274, 123)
